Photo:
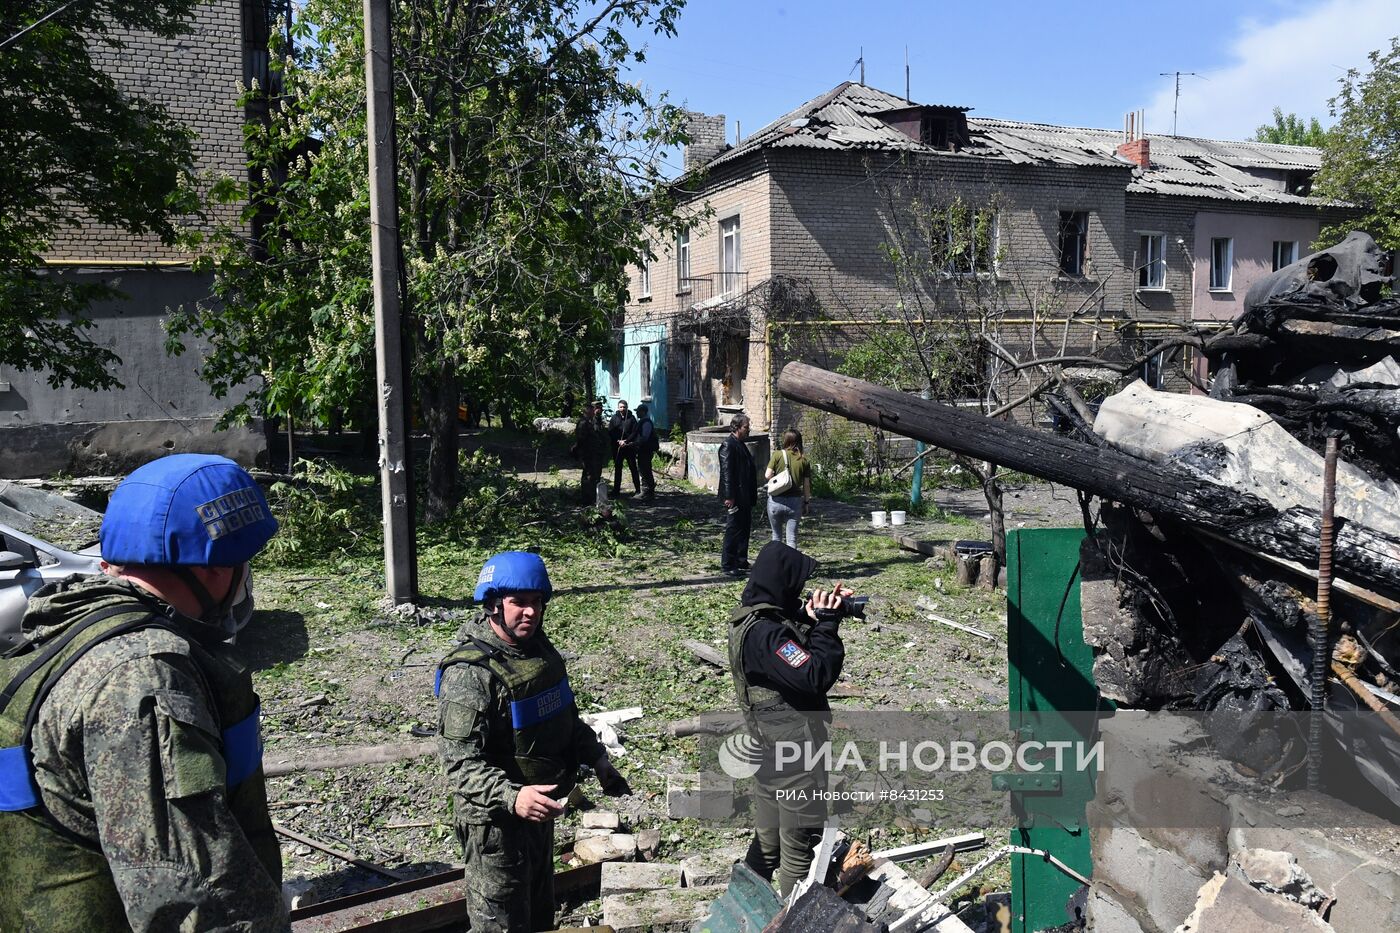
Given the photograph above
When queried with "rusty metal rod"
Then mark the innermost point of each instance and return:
(1322, 652)
(340, 853)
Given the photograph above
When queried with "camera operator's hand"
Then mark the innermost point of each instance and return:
(827, 600)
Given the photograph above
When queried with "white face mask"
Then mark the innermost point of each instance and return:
(237, 607)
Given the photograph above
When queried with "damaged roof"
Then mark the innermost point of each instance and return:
(848, 117)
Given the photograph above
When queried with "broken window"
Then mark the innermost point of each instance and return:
(1074, 241)
(1285, 253)
(1222, 258)
(1152, 262)
(969, 238)
(683, 262)
(933, 131)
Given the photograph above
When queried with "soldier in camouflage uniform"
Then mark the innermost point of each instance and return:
(511, 740)
(140, 804)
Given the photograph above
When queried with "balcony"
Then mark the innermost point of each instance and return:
(722, 286)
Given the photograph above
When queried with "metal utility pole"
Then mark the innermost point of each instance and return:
(1177, 98)
(395, 475)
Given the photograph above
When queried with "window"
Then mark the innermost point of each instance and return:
(685, 360)
(1222, 258)
(1285, 253)
(644, 274)
(646, 372)
(1074, 241)
(1152, 262)
(682, 262)
(615, 372)
(731, 261)
(971, 239)
(933, 131)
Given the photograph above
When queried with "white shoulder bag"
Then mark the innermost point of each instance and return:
(781, 483)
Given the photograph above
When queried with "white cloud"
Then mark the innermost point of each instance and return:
(1293, 63)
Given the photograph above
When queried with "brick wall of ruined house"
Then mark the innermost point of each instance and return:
(198, 77)
(739, 193)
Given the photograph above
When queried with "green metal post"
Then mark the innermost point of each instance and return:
(1050, 672)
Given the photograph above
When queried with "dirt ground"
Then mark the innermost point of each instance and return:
(335, 668)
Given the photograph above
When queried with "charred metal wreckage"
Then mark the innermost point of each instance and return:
(1212, 519)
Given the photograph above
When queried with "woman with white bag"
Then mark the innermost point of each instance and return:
(789, 478)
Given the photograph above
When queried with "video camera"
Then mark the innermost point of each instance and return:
(850, 607)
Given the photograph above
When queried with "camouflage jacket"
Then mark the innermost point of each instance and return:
(473, 706)
(110, 771)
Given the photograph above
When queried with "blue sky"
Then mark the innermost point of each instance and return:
(1068, 62)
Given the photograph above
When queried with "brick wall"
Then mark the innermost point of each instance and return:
(708, 138)
(198, 77)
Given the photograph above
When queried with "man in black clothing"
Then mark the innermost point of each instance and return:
(623, 430)
(784, 655)
(738, 490)
(647, 445)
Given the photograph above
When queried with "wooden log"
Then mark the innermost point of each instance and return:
(966, 571)
(707, 653)
(987, 572)
(323, 759)
(1367, 556)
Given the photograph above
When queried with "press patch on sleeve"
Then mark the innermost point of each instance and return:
(793, 653)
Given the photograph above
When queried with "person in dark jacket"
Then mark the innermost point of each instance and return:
(622, 427)
(738, 490)
(784, 655)
(648, 443)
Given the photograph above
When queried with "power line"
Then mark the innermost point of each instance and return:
(36, 24)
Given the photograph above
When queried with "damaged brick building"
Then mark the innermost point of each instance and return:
(787, 258)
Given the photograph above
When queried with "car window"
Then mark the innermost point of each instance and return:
(22, 548)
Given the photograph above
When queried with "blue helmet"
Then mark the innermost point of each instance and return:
(192, 510)
(512, 572)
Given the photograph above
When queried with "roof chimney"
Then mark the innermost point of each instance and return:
(1138, 152)
(707, 138)
(1135, 147)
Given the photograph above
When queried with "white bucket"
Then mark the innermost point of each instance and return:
(877, 519)
(897, 518)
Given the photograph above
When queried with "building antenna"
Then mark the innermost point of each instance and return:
(1176, 100)
(860, 63)
(907, 98)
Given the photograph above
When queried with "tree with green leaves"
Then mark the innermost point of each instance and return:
(75, 150)
(528, 175)
(1361, 159)
(1290, 130)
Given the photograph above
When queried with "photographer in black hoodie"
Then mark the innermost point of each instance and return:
(784, 654)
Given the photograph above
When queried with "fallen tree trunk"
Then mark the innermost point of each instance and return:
(324, 759)
(1367, 556)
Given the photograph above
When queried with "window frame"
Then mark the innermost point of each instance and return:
(644, 367)
(1081, 239)
(1229, 265)
(683, 262)
(1292, 253)
(728, 276)
(644, 276)
(982, 265)
(1145, 264)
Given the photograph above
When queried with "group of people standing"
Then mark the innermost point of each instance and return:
(626, 438)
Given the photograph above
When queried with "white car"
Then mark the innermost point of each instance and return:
(27, 563)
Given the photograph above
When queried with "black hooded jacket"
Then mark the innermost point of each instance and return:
(803, 676)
